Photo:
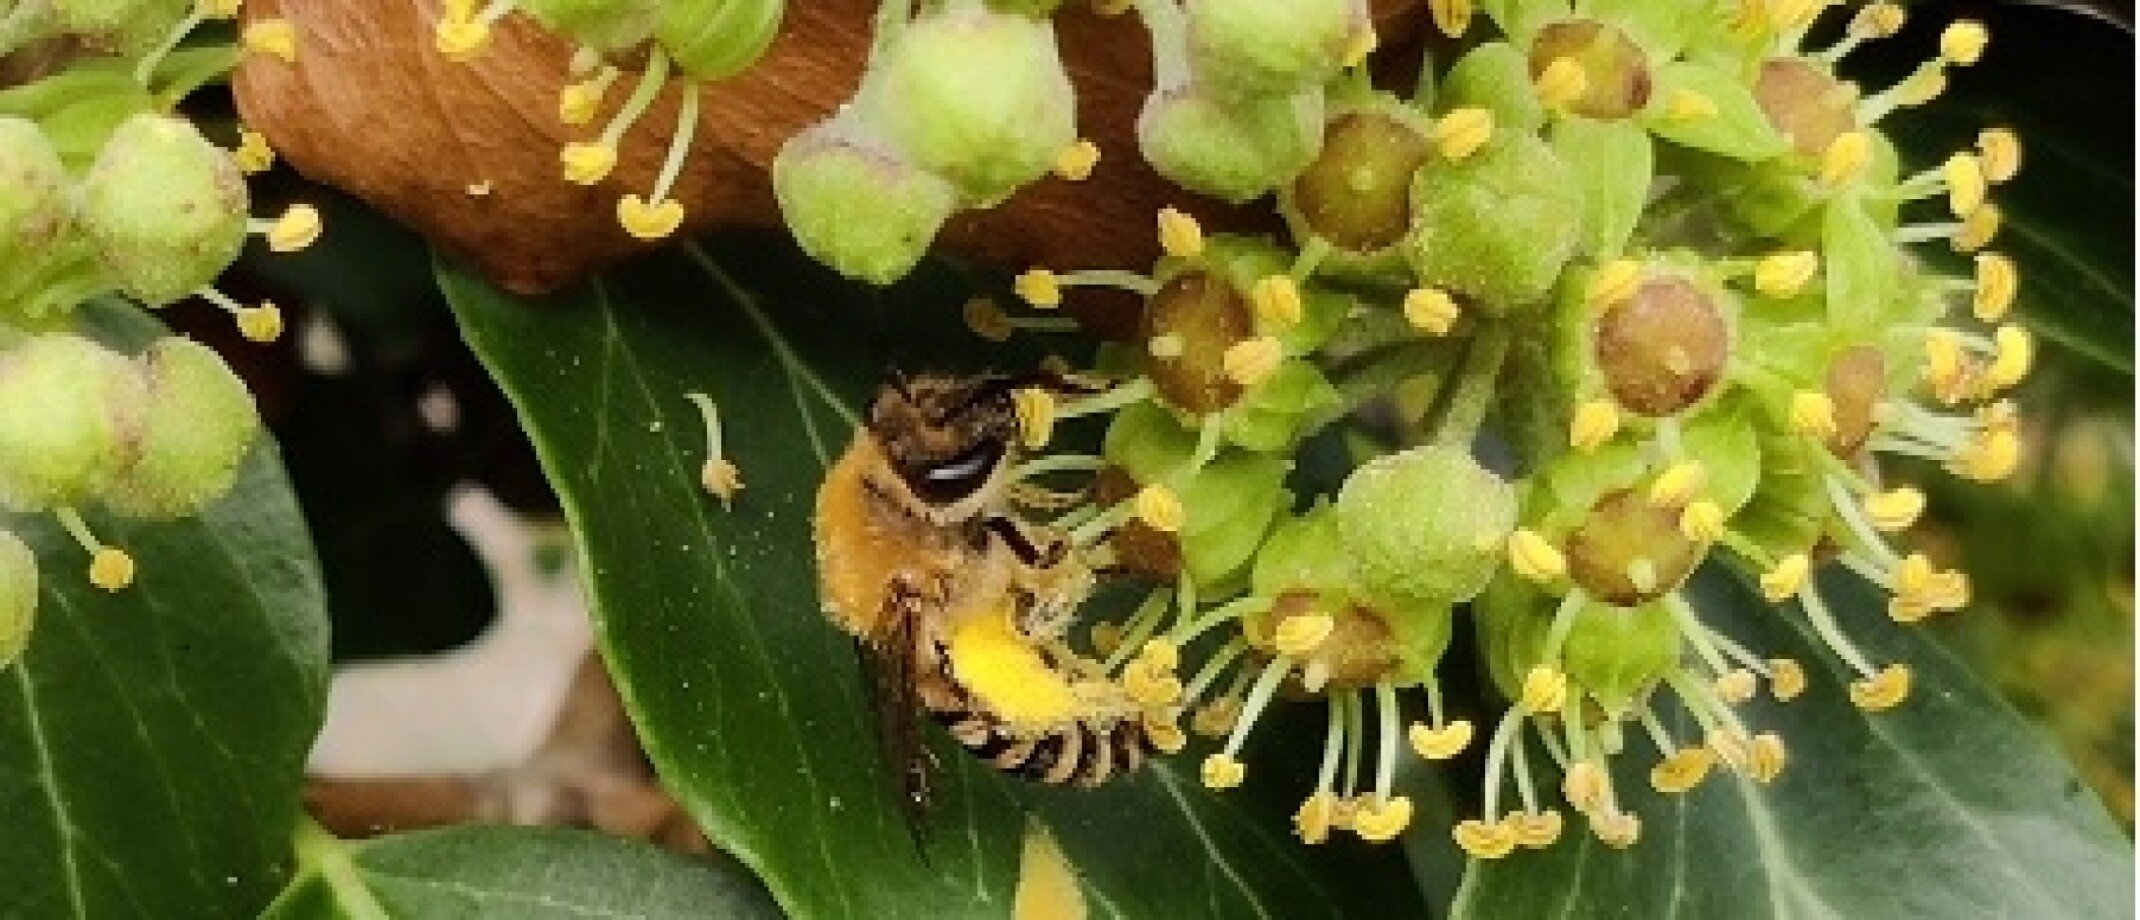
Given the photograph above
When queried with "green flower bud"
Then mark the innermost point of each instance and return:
(977, 97)
(1426, 525)
(1250, 49)
(18, 597)
(608, 26)
(1357, 193)
(165, 209)
(1495, 77)
(127, 26)
(69, 413)
(1497, 225)
(716, 39)
(858, 208)
(1235, 152)
(34, 207)
(197, 426)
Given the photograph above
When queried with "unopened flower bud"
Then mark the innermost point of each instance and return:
(196, 426)
(165, 208)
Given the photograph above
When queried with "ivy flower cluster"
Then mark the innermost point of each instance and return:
(1667, 248)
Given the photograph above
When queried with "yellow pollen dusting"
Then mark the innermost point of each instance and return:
(1615, 283)
(275, 37)
(1039, 287)
(1007, 674)
(1683, 770)
(2001, 150)
(1594, 424)
(1586, 787)
(649, 221)
(1562, 82)
(1484, 839)
(1221, 771)
(1736, 686)
(1963, 42)
(1545, 689)
(1685, 105)
(1036, 416)
(1462, 132)
(1180, 235)
(1845, 157)
(1452, 17)
(1702, 522)
(1442, 743)
(1966, 185)
(1277, 302)
(253, 155)
(588, 163)
(1783, 582)
(1784, 274)
(1813, 414)
(1431, 311)
(1678, 483)
(1315, 817)
(1882, 691)
(1382, 823)
(1077, 161)
(1303, 633)
(1786, 679)
(1160, 509)
(1766, 758)
(987, 320)
(1534, 558)
(111, 569)
(1534, 830)
(261, 324)
(1997, 283)
(1895, 509)
(1047, 883)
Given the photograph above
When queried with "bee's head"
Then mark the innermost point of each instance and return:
(946, 436)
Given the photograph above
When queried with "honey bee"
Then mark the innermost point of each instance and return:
(917, 540)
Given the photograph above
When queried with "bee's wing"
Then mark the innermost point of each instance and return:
(889, 659)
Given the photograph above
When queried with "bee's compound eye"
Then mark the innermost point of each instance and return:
(961, 475)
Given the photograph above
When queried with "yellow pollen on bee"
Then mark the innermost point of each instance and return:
(1545, 689)
(1253, 361)
(1534, 830)
(587, 163)
(1317, 815)
(1180, 235)
(1277, 301)
(1782, 275)
(253, 155)
(1988, 456)
(1593, 425)
(1077, 161)
(2001, 151)
(1685, 105)
(649, 221)
(1882, 691)
(1736, 686)
(1452, 17)
(2016, 352)
(298, 227)
(1382, 823)
(1963, 41)
(1586, 787)
(1035, 408)
(275, 37)
(1039, 287)
(1304, 633)
(987, 320)
(1160, 509)
(1845, 157)
(1784, 581)
(1998, 280)
(1967, 188)
(1813, 414)
(1431, 310)
(1895, 509)
(1484, 839)
(111, 569)
(1460, 133)
(261, 324)
(1682, 770)
(1786, 679)
(1766, 757)
(1702, 522)
(1678, 484)
(1562, 82)
(1222, 771)
(1442, 743)
(1534, 558)
(1615, 283)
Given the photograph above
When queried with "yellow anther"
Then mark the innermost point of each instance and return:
(1895, 509)
(1361, 45)
(1686, 105)
(1793, 15)
(649, 221)
(1302, 634)
(1615, 283)
(1164, 732)
(1382, 823)
(1594, 424)
(1729, 746)
(1442, 743)
(297, 228)
(1159, 508)
(1682, 770)
(1036, 416)
(1845, 157)
(1586, 787)
(1216, 718)
(1161, 655)
(1878, 20)
(253, 155)
(1431, 310)
(1736, 686)
(1484, 839)
(1253, 361)
(1562, 82)
(1077, 161)
(1453, 17)
(1998, 280)
(1784, 274)
(1989, 456)
(1534, 558)
(1813, 414)
(1040, 288)
(275, 37)
(2016, 351)
(1462, 132)
(460, 38)
(1180, 235)
(1151, 689)
(111, 569)
(587, 164)
(1545, 689)
(1963, 42)
(1315, 817)
(2001, 150)
(1923, 86)
(1678, 484)
(1277, 302)
(261, 324)
(1766, 757)
(1221, 771)
(218, 9)
(578, 103)
(1702, 522)
(1786, 679)
(1946, 363)
(987, 320)
(1966, 185)
(1165, 347)
(721, 479)
(1616, 829)
(1105, 637)
(1882, 691)
(1534, 829)
(1949, 591)
(1783, 582)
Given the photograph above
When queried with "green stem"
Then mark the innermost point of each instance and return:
(320, 853)
(1475, 386)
